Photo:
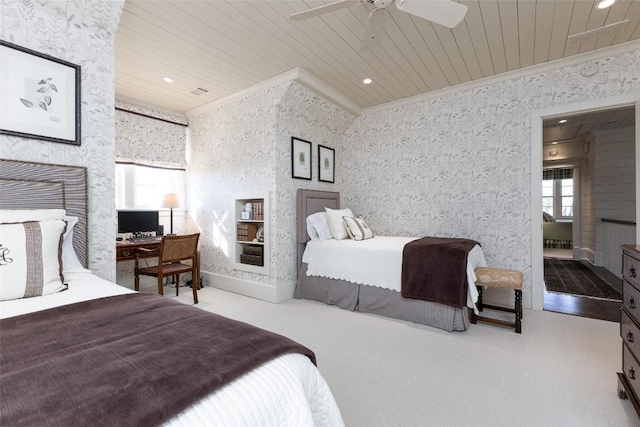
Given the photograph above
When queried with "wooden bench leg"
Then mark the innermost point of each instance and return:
(479, 304)
(518, 310)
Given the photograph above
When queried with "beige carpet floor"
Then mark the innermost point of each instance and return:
(561, 371)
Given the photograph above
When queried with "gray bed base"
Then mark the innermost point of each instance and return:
(363, 298)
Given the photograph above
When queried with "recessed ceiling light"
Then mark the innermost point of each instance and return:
(562, 121)
(168, 79)
(367, 81)
(605, 4)
(554, 142)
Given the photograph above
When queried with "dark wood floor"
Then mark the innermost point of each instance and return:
(587, 307)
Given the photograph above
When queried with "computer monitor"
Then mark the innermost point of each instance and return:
(133, 221)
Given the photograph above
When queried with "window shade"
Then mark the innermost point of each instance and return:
(562, 173)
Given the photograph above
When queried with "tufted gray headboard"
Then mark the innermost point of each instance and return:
(310, 202)
(29, 185)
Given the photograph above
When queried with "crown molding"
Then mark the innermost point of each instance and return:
(318, 86)
(297, 75)
(262, 86)
(534, 69)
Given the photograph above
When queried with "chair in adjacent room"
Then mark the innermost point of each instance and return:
(174, 255)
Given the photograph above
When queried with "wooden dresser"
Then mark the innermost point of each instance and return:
(629, 378)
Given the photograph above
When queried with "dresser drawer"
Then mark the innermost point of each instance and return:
(631, 299)
(630, 332)
(630, 268)
(631, 368)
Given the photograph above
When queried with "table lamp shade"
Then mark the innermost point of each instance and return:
(171, 201)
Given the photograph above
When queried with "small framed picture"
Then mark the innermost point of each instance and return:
(326, 164)
(39, 95)
(300, 158)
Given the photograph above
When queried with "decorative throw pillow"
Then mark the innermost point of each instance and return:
(334, 216)
(30, 259)
(318, 226)
(70, 261)
(357, 228)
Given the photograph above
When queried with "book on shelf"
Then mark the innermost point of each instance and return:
(246, 232)
(257, 211)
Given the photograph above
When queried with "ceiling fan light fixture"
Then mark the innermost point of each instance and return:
(367, 81)
(605, 4)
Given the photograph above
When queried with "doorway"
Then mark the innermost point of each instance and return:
(581, 247)
(588, 174)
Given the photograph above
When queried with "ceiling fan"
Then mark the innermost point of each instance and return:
(443, 12)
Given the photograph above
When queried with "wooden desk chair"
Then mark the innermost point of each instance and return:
(173, 251)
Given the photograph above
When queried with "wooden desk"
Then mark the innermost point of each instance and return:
(126, 250)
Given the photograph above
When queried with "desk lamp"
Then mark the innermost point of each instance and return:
(171, 201)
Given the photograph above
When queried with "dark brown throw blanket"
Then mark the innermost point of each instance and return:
(127, 360)
(435, 269)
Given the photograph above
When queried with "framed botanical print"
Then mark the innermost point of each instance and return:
(326, 164)
(39, 95)
(300, 158)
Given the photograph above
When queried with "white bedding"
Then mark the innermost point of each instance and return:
(374, 262)
(287, 391)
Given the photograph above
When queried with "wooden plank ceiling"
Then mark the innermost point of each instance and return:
(226, 46)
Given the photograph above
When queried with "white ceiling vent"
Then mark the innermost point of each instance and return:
(607, 30)
(199, 91)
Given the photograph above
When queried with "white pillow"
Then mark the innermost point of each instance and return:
(318, 227)
(70, 261)
(30, 254)
(334, 216)
(357, 228)
(24, 215)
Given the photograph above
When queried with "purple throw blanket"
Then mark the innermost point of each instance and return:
(135, 359)
(435, 269)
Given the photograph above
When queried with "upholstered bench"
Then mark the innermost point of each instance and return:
(499, 278)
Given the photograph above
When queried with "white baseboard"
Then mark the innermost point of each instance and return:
(249, 288)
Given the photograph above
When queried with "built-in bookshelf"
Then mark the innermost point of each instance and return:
(252, 242)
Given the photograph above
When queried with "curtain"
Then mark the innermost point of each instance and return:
(563, 173)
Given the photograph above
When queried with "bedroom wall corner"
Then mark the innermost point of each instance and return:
(231, 152)
(84, 34)
(306, 115)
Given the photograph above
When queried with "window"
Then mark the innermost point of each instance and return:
(557, 197)
(143, 187)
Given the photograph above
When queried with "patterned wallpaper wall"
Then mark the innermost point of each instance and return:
(303, 114)
(459, 165)
(82, 33)
(232, 156)
(149, 141)
(244, 149)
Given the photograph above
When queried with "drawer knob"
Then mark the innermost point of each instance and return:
(632, 272)
(632, 303)
(126, 253)
(630, 337)
(632, 374)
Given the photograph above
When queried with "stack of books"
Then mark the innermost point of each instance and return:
(257, 211)
(246, 232)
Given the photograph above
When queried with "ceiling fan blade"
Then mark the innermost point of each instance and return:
(331, 7)
(443, 12)
(373, 30)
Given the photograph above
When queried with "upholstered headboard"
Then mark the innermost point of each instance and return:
(310, 202)
(28, 185)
